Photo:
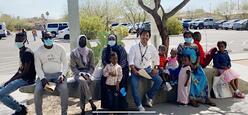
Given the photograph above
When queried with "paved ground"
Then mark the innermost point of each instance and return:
(237, 41)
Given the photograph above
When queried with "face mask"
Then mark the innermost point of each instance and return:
(188, 40)
(19, 44)
(48, 42)
(111, 43)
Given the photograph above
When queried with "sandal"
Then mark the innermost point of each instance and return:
(194, 103)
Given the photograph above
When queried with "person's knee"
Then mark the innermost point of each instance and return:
(157, 80)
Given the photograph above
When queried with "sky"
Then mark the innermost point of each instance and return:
(57, 8)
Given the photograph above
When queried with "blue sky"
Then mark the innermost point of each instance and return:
(56, 8)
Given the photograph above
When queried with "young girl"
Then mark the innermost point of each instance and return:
(172, 67)
(113, 72)
(184, 80)
(163, 60)
(223, 64)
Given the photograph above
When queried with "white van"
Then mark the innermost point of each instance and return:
(3, 30)
(56, 26)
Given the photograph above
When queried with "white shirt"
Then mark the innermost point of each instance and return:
(150, 56)
(50, 60)
(112, 80)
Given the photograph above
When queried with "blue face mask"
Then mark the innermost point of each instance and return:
(48, 42)
(188, 40)
(19, 44)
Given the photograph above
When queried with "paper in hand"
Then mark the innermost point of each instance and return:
(50, 87)
(144, 74)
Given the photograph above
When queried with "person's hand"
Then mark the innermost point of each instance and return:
(154, 71)
(117, 87)
(135, 72)
(113, 73)
(44, 81)
(61, 78)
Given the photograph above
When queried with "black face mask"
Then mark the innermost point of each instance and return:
(82, 42)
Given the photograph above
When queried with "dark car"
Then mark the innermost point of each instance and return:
(218, 24)
(185, 23)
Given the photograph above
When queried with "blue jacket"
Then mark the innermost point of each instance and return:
(222, 60)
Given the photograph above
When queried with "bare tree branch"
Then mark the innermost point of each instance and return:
(147, 9)
(162, 9)
(157, 5)
(176, 9)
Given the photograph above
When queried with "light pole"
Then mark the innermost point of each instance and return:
(73, 14)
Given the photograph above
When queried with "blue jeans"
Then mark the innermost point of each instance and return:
(151, 93)
(6, 99)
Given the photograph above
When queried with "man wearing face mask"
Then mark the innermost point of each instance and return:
(24, 76)
(49, 59)
(144, 56)
(112, 46)
(82, 65)
(199, 84)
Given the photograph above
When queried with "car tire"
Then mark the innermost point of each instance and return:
(201, 27)
(67, 37)
(0, 38)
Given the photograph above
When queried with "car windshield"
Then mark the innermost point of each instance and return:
(52, 25)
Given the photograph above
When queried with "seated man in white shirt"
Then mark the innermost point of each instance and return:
(141, 56)
(48, 60)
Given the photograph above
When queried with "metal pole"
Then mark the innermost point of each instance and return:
(73, 14)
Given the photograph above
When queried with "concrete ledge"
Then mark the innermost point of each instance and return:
(73, 87)
(144, 86)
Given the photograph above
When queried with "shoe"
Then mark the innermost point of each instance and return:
(168, 86)
(141, 108)
(148, 101)
(239, 95)
(194, 103)
(22, 112)
(93, 107)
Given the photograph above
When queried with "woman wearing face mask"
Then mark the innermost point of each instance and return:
(82, 65)
(122, 61)
(199, 83)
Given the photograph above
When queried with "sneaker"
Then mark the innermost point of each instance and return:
(22, 112)
(148, 101)
(168, 86)
(141, 108)
(239, 95)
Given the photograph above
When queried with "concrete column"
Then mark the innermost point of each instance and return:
(73, 14)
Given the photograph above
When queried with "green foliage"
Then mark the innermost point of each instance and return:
(120, 31)
(13, 23)
(174, 26)
(91, 26)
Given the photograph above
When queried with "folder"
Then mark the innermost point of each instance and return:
(50, 87)
(144, 74)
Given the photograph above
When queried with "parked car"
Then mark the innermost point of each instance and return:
(56, 26)
(205, 23)
(3, 30)
(229, 24)
(240, 25)
(185, 23)
(218, 24)
(192, 22)
(64, 34)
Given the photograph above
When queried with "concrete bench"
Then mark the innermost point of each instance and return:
(144, 85)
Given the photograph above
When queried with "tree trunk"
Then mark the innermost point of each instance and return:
(162, 32)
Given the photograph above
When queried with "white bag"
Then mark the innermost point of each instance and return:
(97, 74)
(220, 88)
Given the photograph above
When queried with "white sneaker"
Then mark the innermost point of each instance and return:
(168, 86)
(141, 108)
(148, 101)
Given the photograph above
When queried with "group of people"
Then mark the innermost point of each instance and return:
(183, 69)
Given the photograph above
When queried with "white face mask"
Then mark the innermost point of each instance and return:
(111, 42)
(19, 44)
